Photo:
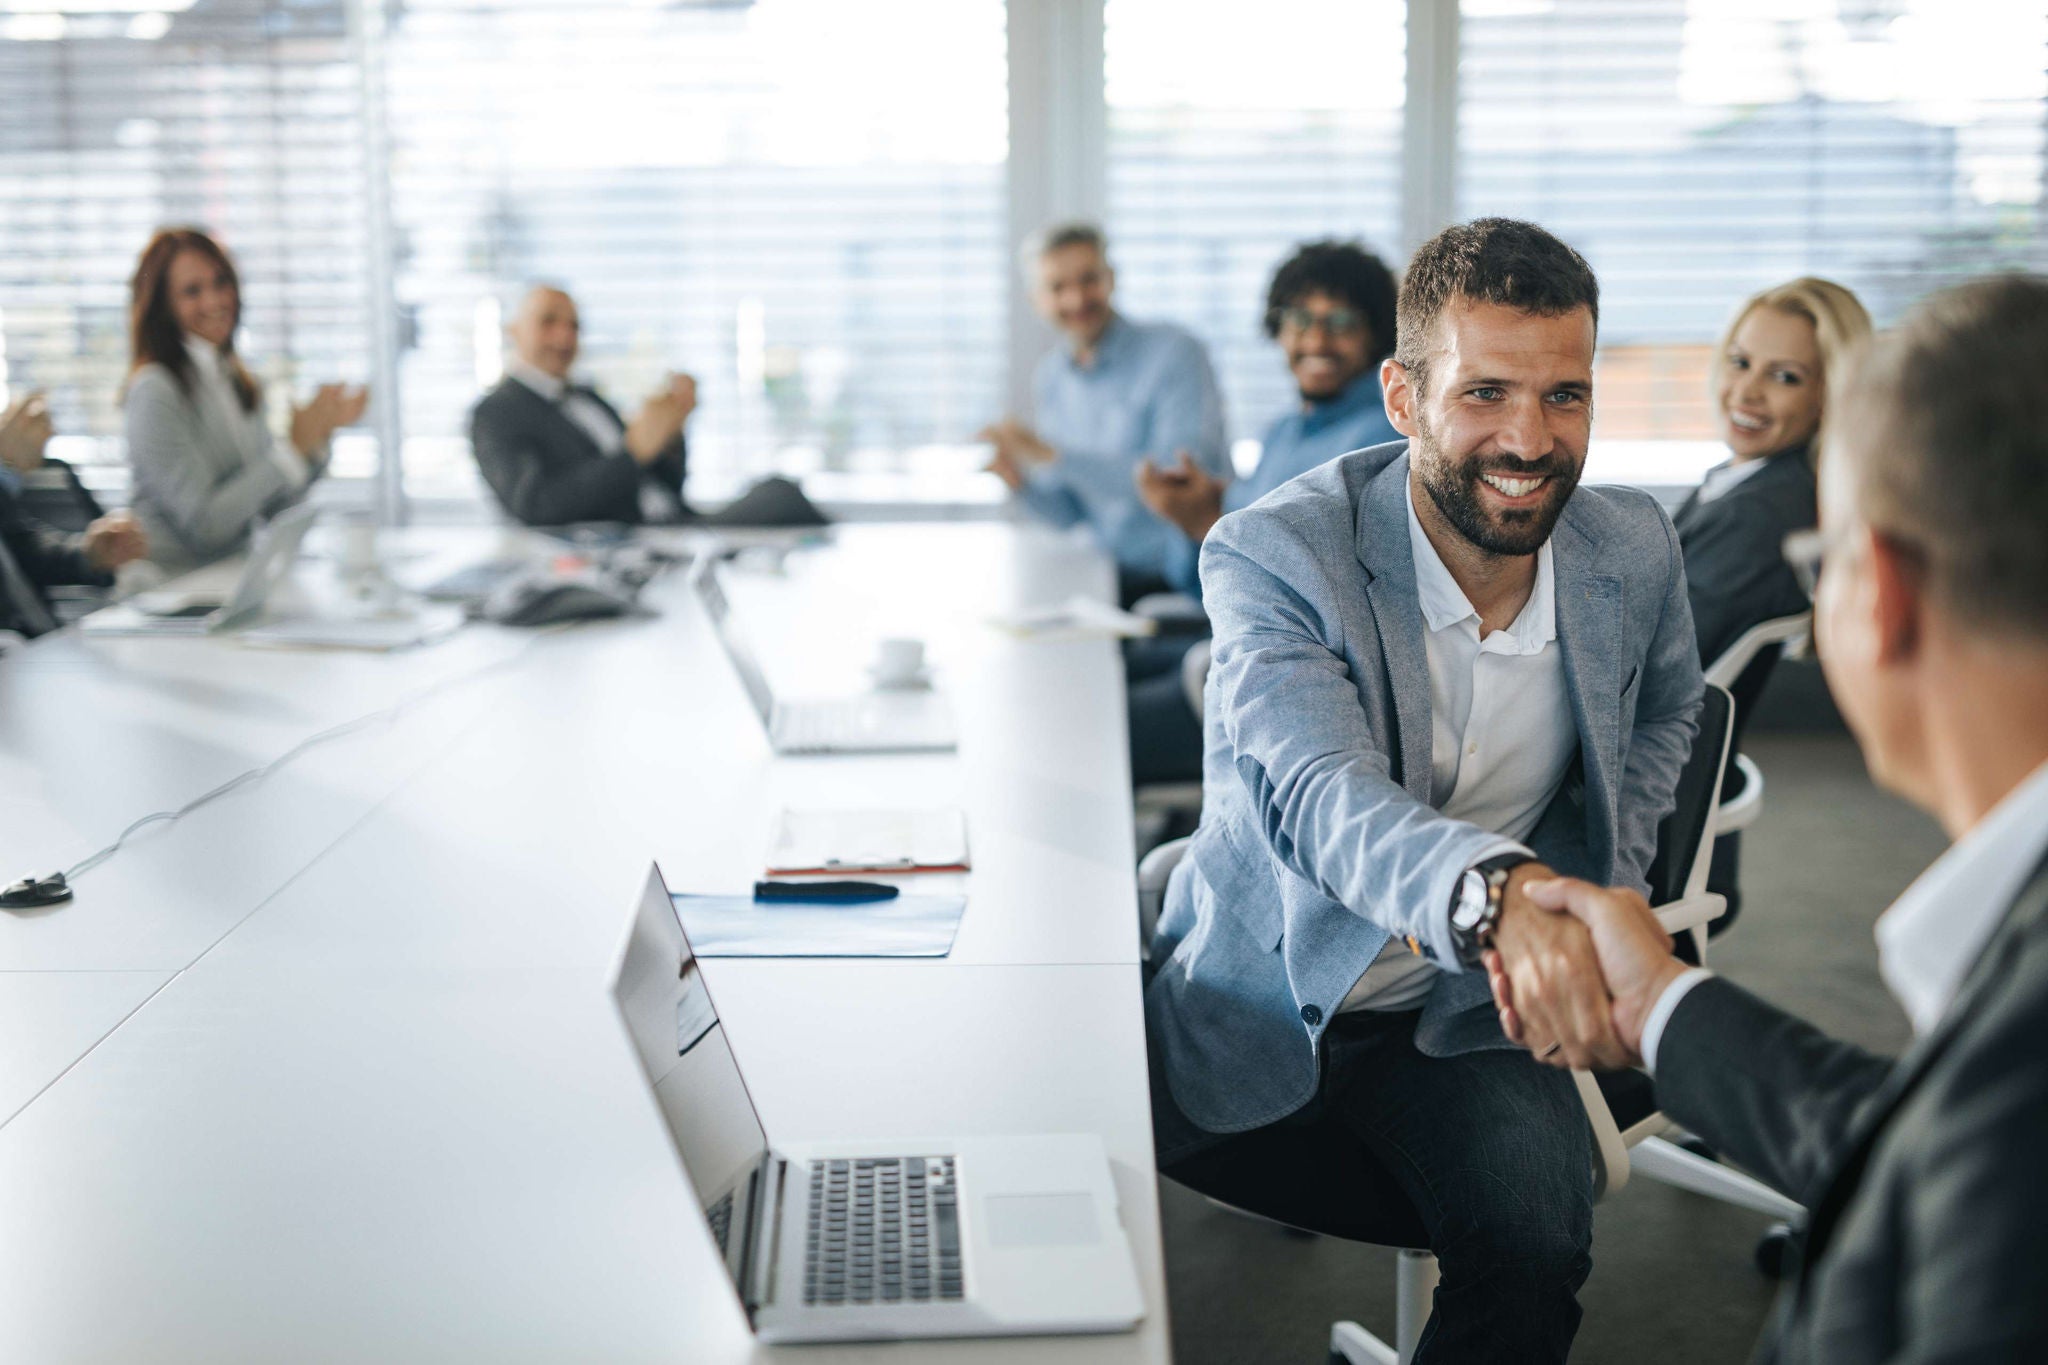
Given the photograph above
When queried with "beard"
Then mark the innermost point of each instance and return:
(1453, 484)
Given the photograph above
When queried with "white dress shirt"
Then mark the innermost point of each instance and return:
(1723, 478)
(1501, 737)
(1934, 933)
(253, 442)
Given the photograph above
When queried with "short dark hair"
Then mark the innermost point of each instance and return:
(1944, 423)
(1345, 271)
(1500, 261)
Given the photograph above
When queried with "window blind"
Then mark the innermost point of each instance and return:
(1699, 150)
(798, 201)
(240, 116)
(1232, 140)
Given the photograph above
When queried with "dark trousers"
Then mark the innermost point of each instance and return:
(1166, 734)
(1486, 1159)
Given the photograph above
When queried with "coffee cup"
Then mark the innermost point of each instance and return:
(898, 663)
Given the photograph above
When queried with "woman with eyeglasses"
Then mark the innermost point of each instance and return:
(1770, 385)
(206, 467)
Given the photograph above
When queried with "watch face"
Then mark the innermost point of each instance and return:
(1471, 901)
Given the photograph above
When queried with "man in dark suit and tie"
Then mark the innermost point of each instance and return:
(1928, 1234)
(556, 452)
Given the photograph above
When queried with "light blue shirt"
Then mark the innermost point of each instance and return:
(1295, 444)
(1149, 391)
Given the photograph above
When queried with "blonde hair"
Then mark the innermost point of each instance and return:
(1841, 326)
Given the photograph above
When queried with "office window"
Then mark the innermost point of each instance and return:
(799, 201)
(1699, 150)
(241, 116)
(1231, 139)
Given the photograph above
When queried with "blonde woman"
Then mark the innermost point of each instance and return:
(1771, 377)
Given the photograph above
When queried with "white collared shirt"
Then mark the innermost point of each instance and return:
(253, 442)
(1934, 933)
(1723, 478)
(1502, 736)
(576, 405)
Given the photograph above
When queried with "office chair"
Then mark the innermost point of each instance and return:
(1627, 1128)
(1160, 807)
(1744, 668)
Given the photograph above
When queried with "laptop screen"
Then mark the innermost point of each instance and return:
(712, 592)
(661, 996)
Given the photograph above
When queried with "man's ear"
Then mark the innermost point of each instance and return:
(1899, 582)
(1401, 396)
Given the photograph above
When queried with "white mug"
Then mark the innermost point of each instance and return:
(898, 663)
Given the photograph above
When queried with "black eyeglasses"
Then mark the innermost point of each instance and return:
(1336, 321)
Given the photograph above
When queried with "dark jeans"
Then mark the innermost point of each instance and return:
(1485, 1159)
(1166, 734)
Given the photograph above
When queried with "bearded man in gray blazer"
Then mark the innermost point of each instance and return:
(1928, 1234)
(1441, 670)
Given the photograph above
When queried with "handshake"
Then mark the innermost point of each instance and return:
(1576, 969)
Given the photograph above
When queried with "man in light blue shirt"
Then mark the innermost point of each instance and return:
(1331, 308)
(1115, 393)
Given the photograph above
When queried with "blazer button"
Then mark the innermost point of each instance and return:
(1311, 1016)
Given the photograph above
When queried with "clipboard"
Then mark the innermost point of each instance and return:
(835, 842)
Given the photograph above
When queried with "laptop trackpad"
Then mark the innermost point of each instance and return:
(1041, 1220)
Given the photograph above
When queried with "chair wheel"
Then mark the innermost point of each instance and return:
(1772, 1248)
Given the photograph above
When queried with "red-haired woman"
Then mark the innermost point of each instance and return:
(206, 468)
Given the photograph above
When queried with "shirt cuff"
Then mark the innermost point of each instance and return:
(1661, 1012)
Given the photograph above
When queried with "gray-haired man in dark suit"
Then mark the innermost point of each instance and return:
(1928, 1237)
(556, 452)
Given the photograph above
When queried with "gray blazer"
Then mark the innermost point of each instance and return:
(1735, 570)
(196, 493)
(1317, 841)
(1928, 1239)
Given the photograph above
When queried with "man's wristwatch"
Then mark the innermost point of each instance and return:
(1475, 912)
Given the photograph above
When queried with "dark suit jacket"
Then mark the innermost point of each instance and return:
(547, 471)
(45, 556)
(1928, 1238)
(1735, 569)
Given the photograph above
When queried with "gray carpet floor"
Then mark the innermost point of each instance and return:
(1673, 1280)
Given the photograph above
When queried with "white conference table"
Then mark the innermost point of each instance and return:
(353, 1089)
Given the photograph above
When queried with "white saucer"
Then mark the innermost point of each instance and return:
(920, 681)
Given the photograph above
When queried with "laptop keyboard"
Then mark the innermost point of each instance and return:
(720, 1217)
(831, 722)
(883, 1230)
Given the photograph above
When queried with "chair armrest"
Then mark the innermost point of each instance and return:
(1691, 913)
(1740, 812)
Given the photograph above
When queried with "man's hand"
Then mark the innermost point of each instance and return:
(660, 420)
(1185, 494)
(24, 430)
(1634, 958)
(1017, 449)
(332, 407)
(1545, 964)
(114, 540)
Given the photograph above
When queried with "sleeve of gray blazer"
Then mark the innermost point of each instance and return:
(211, 513)
(1666, 723)
(1318, 779)
(1766, 1088)
(511, 463)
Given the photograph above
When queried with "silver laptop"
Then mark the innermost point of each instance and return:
(940, 1237)
(272, 552)
(865, 723)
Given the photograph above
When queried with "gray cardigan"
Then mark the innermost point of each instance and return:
(196, 492)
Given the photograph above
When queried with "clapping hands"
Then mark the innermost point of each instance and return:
(332, 407)
(24, 430)
(1017, 450)
(660, 420)
(1183, 493)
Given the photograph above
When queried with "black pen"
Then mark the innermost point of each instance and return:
(841, 893)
